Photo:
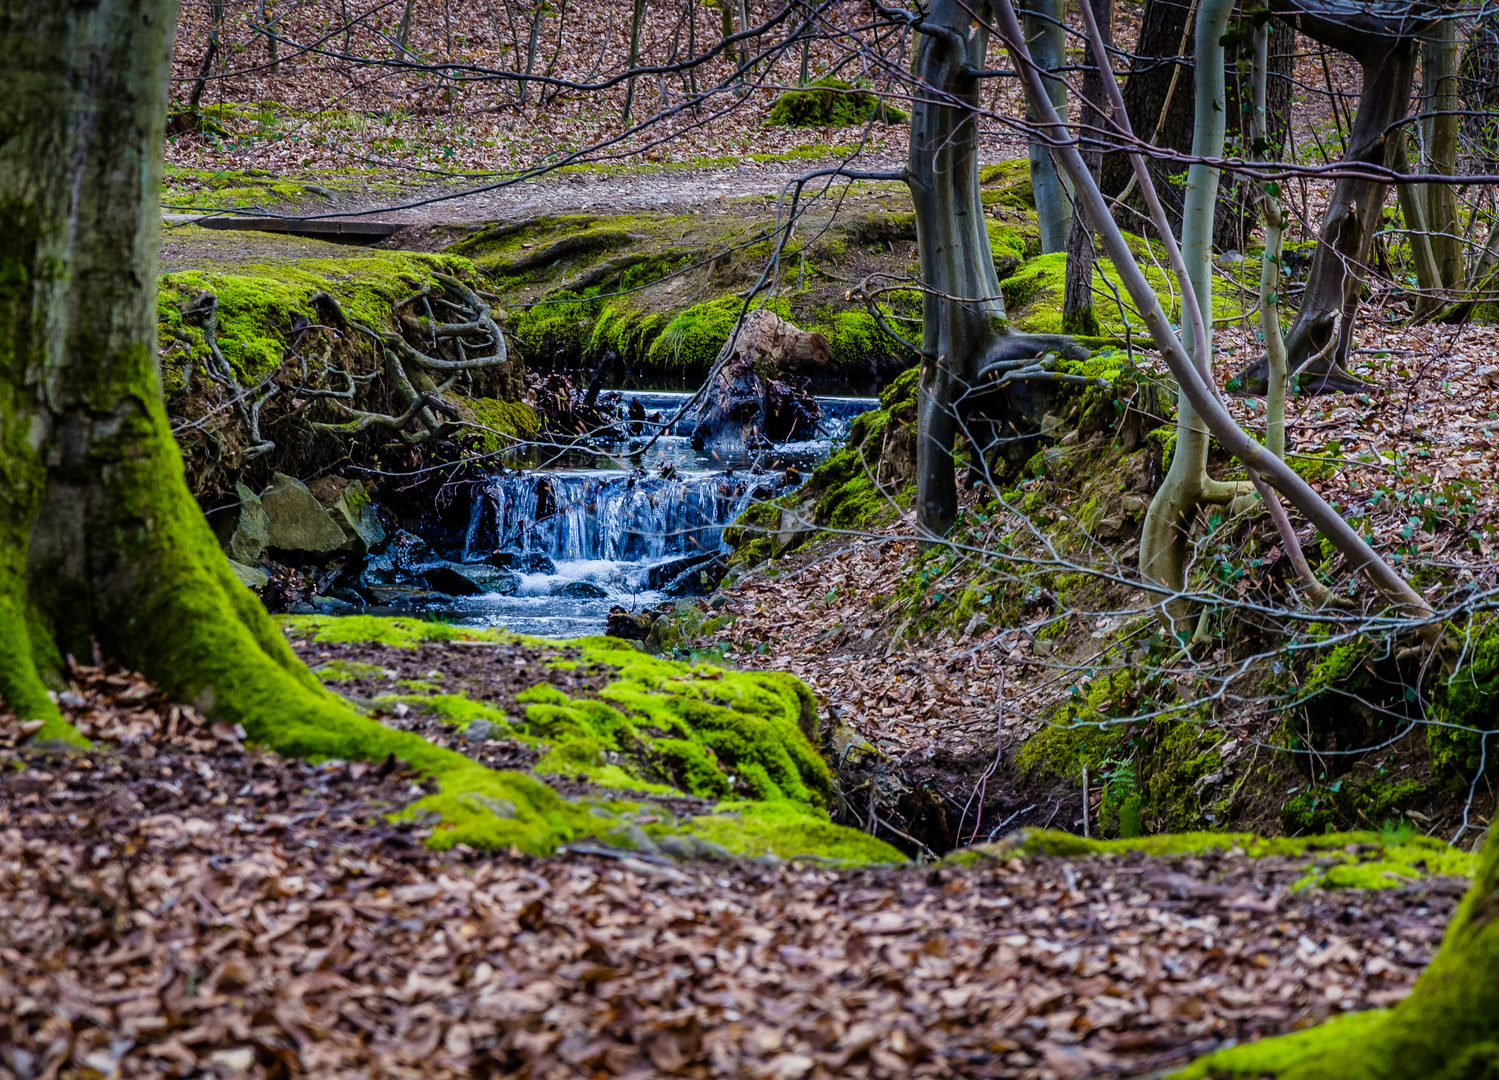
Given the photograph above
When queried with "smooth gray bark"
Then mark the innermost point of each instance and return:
(1047, 41)
(966, 338)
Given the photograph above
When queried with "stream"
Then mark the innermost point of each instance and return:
(613, 524)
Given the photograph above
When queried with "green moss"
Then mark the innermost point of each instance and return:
(257, 304)
(658, 726)
(1081, 733)
(831, 103)
(1466, 699)
(1271, 1057)
(1342, 860)
(1033, 297)
(558, 326)
(347, 671)
(503, 422)
(404, 632)
(855, 338)
(787, 830)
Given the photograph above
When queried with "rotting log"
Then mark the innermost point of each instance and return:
(756, 394)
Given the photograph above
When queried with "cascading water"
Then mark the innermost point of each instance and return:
(610, 523)
(606, 516)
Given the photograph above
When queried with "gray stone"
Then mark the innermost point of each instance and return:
(580, 590)
(684, 846)
(252, 576)
(332, 605)
(478, 730)
(298, 521)
(252, 533)
(489, 579)
(354, 512)
(502, 808)
(633, 836)
(445, 579)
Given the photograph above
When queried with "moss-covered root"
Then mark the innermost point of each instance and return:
(1448, 1029)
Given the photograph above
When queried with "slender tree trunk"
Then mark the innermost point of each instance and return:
(1045, 36)
(1077, 293)
(1440, 97)
(966, 338)
(263, 17)
(403, 32)
(1417, 235)
(1385, 46)
(637, 16)
(531, 47)
(1165, 536)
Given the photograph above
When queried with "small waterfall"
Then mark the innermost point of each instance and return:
(601, 516)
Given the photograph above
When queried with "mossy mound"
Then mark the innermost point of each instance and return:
(1466, 706)
(258, 305)
(832, 103)
(1352, 860)
(501, 423)
(656, 727)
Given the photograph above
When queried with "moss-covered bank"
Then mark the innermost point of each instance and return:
(656, 727)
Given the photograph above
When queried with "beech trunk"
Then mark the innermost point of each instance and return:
(101, 543)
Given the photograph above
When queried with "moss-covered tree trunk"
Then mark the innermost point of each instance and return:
(100, 541)
(1448, 1029)
(966, 339)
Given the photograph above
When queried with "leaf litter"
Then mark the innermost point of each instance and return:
(178, 904)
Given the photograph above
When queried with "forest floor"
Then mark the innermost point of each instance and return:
(175, 904)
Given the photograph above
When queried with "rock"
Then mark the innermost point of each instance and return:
(629, 625)
(661, 575)
(632, 836)
(402, 558)
(684, 846)
(331, 605)
(298, 521)
(402, 596)
(580, 590)
(252, 533)
(338, 592)
(478, 730)
(354, 512)
(252, 576)
(699, 580)
(530, 563)
(489, 579)
(445, 579)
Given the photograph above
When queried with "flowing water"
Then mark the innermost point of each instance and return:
(609, 513)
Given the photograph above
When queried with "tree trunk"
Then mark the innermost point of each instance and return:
(1440, 97)
(100, 541)
(637, 15)
(965, 335)
(1158, 96)
(1045, 36)
(1077, 292)
(1319, 340)
(756, 395)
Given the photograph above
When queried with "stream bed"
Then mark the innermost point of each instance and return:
(615, 523)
